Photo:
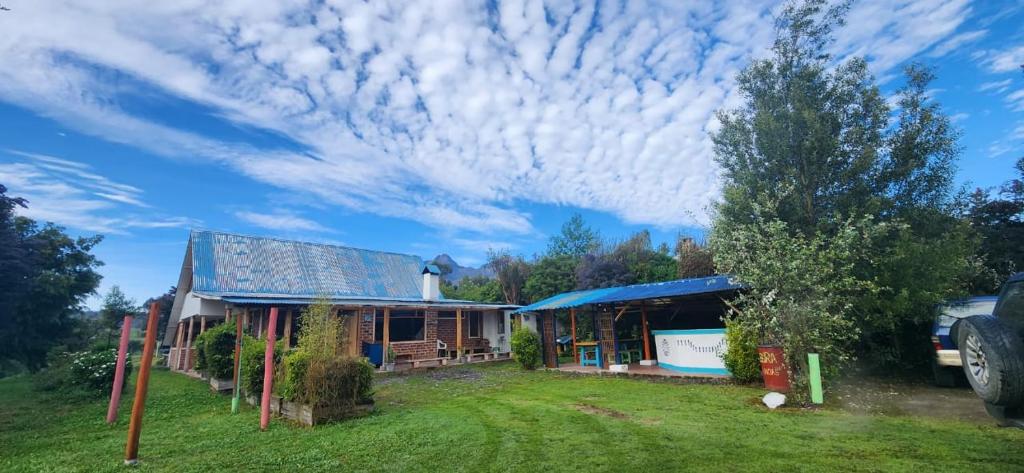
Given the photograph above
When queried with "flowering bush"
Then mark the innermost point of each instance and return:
(89, 372)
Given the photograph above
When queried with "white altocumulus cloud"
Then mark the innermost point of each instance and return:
(445, 112)
(71, 193)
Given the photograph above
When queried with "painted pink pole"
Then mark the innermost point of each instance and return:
(268, 370)
(122, 353)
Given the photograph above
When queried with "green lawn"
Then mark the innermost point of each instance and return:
(495, 418)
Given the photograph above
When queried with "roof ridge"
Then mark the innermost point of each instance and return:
(286, 240)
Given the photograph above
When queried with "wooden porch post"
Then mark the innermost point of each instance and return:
(188, 343)
(458, 330)
(288, 329)
(177, 355)
(387, 335)
(227, 314)
(202, 324)
(643, 325)
(259, 327)
(572, 320)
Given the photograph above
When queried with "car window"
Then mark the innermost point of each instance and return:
(953, 312)
(1011, 303)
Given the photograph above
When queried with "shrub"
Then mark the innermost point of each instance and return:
(251, 369)
(338, 382)
(90, 373)
(526, 347)
(291, 381)
(741, 354)
(215, 351)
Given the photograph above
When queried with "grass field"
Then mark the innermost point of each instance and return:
(496, 418)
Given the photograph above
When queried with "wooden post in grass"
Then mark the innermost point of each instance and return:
(268, 371)
(572, 320)
(122, 353)
(643, 323)
(131, 450)
(238, 354)
(458, 331)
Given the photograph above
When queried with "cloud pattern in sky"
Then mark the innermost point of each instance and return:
(448, 113)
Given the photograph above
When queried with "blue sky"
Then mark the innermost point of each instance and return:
(425, 127)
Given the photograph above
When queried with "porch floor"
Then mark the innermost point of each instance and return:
(635, 369)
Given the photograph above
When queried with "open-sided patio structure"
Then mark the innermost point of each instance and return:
(388, 300)
(668, 328)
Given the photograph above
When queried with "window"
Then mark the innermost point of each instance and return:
(407, 326)
(378, 326)
(1011, 304)
(501, 325)
(475, 323)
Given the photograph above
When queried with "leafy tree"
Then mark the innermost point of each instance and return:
(999, 221)
(64, 275)
(694, 259)
(511, 272)
(474, 288)
(644, 262)
(602, 270)
(549, 276)
(116, 305)
(575, 240)
(165, 302)
(14, 260)
(813, 149)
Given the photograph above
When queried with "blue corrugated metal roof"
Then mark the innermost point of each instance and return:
(359, 301)
(225, 264)
(657, 290)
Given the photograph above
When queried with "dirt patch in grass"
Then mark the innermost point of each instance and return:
(595, 410)
(461, 374)
(872, 396)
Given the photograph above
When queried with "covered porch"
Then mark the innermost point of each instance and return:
(670, 329)
(417, 335)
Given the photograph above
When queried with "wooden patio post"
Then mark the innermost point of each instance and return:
(643, 323)
(268, 371)
(458, 331)
(288, 329)
(238, 353)
(177, 353)
(227, 315)
(131, 450)
(188, 343)
(259, 327)
(202, 325)
(386, 339)
(572, 320)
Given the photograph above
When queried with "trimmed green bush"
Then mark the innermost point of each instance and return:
(741, 353)
(251, 369)
(215, 351)
(338, 382)
(526, 347)
(291, 382)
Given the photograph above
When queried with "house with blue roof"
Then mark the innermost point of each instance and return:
(387, 300)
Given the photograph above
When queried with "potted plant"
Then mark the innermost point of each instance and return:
(389, 359)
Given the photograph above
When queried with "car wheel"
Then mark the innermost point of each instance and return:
(943, 376)
(993, 360)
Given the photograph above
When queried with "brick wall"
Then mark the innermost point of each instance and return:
(365, 326)
(446, 333)
(424, 349)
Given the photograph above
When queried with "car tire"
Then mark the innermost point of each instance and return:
(993, 360)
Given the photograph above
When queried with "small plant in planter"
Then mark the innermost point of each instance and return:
(317, 382)
(389, 359)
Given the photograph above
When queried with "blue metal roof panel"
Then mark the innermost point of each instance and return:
(677, 288)
(224, 264)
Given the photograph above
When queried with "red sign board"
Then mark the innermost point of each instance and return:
(773, 368)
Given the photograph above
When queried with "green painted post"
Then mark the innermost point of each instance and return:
(815, 378)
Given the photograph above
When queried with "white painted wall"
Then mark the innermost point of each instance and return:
(492, 319)
(194, 306)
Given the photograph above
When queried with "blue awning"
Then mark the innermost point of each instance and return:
(637, 292)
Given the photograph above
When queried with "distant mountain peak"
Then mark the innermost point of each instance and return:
(458, 272)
